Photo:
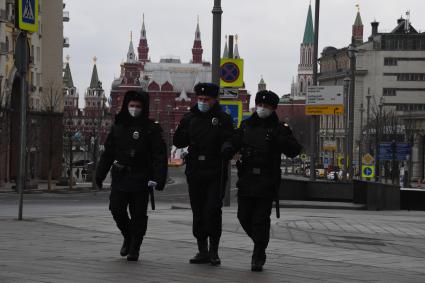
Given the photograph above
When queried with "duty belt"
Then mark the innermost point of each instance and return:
(257, 170)
(126, 168)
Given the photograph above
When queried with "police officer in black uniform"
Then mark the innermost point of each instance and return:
(204, 130)
(260, 140)
(137, 153)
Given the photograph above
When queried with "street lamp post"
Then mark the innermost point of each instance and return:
(352, 55)
(346, 147)
(217, 12)
(368, 97)
(315, 124)
(360, 142)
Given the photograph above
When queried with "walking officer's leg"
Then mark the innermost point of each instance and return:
(118, 203)
(213, 218)
(245, 211)
(261, 232)
(138, 206)
(197, 202)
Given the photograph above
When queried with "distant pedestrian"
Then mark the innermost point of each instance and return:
(77, 173)
(137, 153)
(205, 129)
(84, 174)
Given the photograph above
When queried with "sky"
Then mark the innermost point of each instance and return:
(270, 32)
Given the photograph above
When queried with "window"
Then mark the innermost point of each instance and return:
(389, 92)
(389, 61)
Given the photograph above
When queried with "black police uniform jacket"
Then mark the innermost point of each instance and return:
(260, 143)
(204, 134)
(137, 146)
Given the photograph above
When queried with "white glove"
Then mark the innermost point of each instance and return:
(152, 184)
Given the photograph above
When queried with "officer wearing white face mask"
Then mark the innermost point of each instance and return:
(260, 140)
(137, 154)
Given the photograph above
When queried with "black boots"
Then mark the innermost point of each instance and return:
(125, 246)
(213, 252)
(258, 258)
(134, 248)
(202, 256)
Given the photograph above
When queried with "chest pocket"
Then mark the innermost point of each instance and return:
(205, 134)
(256, 146)
(132, 146)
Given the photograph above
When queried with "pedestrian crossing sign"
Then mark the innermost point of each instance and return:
(28, 15)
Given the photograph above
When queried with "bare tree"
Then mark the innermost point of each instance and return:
(4, 125)
(51, 103)
(384, 126)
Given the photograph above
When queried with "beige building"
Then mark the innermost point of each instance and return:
(45, 100)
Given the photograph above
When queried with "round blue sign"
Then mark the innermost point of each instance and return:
(229, 72)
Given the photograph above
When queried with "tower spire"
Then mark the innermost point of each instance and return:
(67, 76)
(309, 30)
(94, 82)
(131, 56)
(236, 52)
(143, 48)
(197, 50)
(357, 34)
(226, 50)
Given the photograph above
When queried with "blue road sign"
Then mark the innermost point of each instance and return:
(28, 15)
(229, 72)
(368, 171)
(401, 150)
(234, 109)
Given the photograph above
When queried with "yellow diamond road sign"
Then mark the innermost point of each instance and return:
(368, 159)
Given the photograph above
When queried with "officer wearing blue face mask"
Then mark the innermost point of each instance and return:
(260, 140)
(205, 129)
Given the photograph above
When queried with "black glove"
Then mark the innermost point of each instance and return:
(227, 151)
(99, 183)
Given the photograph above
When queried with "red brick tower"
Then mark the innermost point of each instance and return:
(197, 50)
(143, 48)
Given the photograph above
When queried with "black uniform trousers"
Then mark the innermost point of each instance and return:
(136, 203)
(254, 216)
(206, 201)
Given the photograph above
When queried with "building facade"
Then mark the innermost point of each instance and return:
(44, 84)
(389, 85)
(169, 82)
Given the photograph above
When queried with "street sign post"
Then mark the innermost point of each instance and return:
(28, 15)
(402, 151)
(22, 64)
(325, 100)
(234, 109)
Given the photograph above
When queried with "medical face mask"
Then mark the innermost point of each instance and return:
(134, 111)
(203, 107)
(263, 112)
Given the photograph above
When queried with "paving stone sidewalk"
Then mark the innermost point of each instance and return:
(307, 246)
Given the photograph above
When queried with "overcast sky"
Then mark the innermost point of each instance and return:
(270, 32)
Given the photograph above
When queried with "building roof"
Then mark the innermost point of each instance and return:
(309, 30)
(180, 76)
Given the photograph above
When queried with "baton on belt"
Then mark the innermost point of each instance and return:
(151, 187)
